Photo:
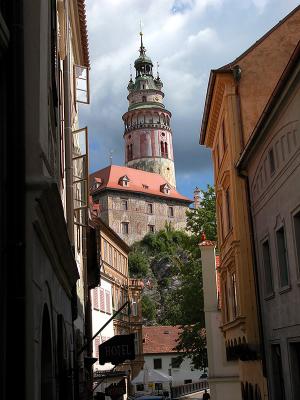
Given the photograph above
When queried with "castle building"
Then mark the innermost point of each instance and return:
(141, 197)
(148, 136)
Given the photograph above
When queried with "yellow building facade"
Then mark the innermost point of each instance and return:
(236, 97)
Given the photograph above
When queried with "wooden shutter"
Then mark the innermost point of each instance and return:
(102, 300)
(107, 301)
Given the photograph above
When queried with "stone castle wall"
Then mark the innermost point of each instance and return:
(140, 220)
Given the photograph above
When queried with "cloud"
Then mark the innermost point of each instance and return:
(188, 38)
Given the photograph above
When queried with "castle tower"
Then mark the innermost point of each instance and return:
(148, 135)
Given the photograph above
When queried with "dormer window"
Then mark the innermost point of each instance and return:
(124, 181)
(165, 188)
(96, 184)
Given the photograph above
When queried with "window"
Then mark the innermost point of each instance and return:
(151, 228)
(271, 161)
(217, 155)
(102, 300)
(105, 255)
(124, 204)
(229, 222)
(140, 387)
(144, 98)
(225, 303)
(282, 257)
(295, 370)
(224, 137)
(149, 208)
(125, 227)
(175, 362)
(95, 298)
(129, 152)
(278, 380)
(171, 212)
(110, 255)
(267, 267)
(158, 386)
(234, 295)
(296, 219)
(107, 302)
(157, 363)
(134, 310)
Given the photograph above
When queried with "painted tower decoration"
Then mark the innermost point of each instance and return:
(148, 135)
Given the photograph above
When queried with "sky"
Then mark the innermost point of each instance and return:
(187, 38)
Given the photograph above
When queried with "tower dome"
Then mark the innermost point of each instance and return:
(148, 134)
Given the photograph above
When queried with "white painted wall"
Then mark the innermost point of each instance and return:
(99, 318)
(223, 376)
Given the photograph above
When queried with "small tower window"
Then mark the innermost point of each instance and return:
(129, 152)
(144, 99)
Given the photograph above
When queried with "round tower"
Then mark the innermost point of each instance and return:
(148, 135)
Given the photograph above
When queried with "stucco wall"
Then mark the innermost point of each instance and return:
(275, 197)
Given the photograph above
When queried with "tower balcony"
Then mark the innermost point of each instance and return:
(147, 125)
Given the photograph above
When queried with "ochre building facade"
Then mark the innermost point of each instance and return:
(236, 97)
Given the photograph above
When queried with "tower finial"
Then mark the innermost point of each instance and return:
(130, 68)
(157, 70)
(142, 48)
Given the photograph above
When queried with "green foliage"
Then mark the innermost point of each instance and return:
(192, 342)
(172, 259)
(138, 264)
(203, 219)
(148, 308)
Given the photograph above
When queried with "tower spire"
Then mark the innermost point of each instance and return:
(142, 48)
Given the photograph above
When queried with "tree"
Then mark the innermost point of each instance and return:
(148, 308)
(203, 219)
(138, 264)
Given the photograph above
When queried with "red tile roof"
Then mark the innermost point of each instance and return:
(160, 339)
(83, 32)
(139, 182)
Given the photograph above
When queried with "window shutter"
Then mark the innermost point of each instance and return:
(102, 300)
(107, 301)
(97, 343)
(95, 298)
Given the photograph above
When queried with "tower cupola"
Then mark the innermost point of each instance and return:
(148, 134)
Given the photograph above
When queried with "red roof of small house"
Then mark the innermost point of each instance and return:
(160, 339)
(139, 181)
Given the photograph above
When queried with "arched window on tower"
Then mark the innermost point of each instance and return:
(144, 99)
(164, 149)
(129, 152)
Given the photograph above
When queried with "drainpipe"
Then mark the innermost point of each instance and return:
(236, 70)
(68, 134)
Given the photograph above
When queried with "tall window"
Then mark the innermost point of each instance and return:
(225, 303)
(157, 364)
(144, 99)
(282, 257)
(267, 268)
(124, 204)
(125, 228)
(149, 208)
(296, 219)
(228, 210)
(224, 137)
(234, 295)
(278, 380)
(129, 152)
(271, 161)
(171, 212)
